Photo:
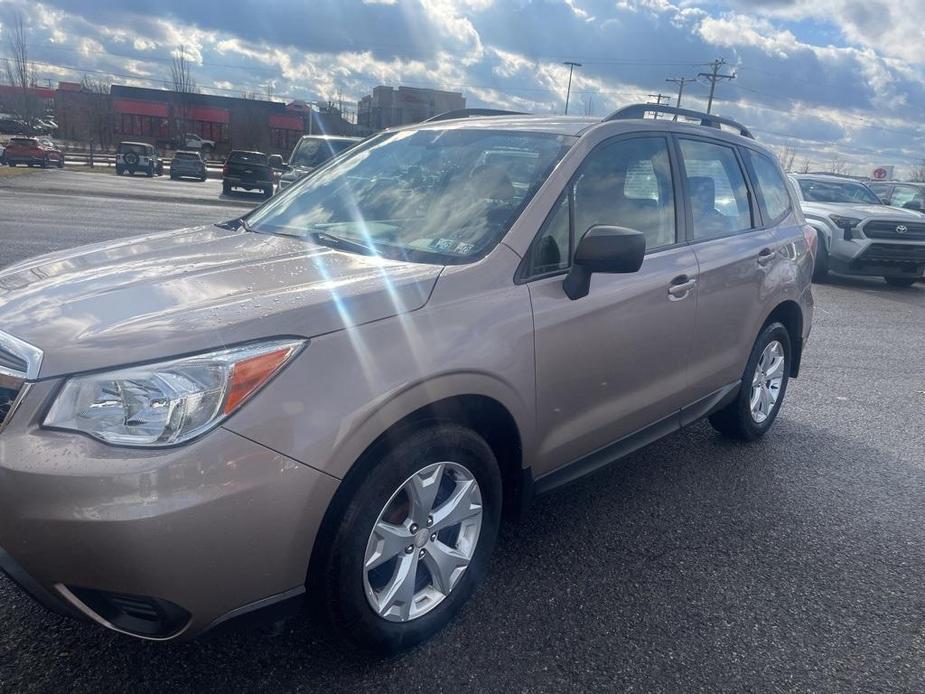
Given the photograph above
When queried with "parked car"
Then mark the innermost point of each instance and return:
(188, 164)
(188, 141)
(132, 157)
(2, 155)
(247, 170)
(859, 234)
(310, 152)
(351, 382)
(33, 151)
(11, 125)
(900, 194)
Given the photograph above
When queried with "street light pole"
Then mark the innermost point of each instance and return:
(568, 92)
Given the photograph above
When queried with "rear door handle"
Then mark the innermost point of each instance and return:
(681, 286)
(765, 256)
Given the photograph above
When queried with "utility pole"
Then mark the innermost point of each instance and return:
(681, 81)
(568, 92)
(714, 77)
(658, 100)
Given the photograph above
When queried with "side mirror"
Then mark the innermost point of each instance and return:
(913, 205)
(276, 161)
(604, 249)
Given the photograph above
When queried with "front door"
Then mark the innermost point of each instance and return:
(612, 362)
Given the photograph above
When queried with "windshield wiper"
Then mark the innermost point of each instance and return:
(327, 239)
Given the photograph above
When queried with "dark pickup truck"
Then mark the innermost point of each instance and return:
(248, 170)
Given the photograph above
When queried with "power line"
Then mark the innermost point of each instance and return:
(713, 78)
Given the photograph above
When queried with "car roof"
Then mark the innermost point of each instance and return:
(246, 151)
(135, 144)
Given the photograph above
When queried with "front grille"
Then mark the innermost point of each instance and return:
(893, 253)
(887, 230)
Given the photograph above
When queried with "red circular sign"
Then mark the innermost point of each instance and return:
(880, 174)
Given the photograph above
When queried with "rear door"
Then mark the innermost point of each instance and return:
(737, 255)
(612, 363)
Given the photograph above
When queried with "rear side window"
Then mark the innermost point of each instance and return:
(624, 183)
(772, 191)
(717, 189)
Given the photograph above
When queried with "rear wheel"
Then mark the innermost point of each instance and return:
(150, 172)
(268, 192)
(413, 540)
(762, 390)
(901, 281)
(61, 162)
(226, 187)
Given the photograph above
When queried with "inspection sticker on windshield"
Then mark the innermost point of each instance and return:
(451, 246)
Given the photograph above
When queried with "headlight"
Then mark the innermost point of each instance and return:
(849, 224)
(170, 402)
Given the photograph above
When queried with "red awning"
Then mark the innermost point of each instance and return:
(140, 108)
(209, 114)
(285, 121)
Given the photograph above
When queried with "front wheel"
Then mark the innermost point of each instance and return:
(61, 163)
(268, 192)
(762, 390)
(901, 281)
(226, 187)
(412, 541)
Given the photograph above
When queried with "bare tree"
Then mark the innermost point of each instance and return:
(838, 166)
(787, 156)
(918, 172)
(805, 166)
(20, 70)
(98, 115)
(182, 84)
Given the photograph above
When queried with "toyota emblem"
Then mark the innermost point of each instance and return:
(902, 229)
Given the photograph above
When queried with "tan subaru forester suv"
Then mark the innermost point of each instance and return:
(336, 397)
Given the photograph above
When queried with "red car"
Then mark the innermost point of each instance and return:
(33, 151)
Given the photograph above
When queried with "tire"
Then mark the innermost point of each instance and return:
(268, 193)
(338, 575)
(226, 187)
(737, 420)
(902, 282)
(61, 163)
(150, 172)
(821, 268)
(202, 179)
(173, 176)
(44, 163)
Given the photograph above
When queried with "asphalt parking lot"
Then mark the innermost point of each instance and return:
(793, 564)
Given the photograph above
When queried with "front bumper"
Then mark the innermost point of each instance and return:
(213, 528)
(882, 259)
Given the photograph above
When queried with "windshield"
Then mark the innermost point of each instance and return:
(248, 157)
(438, 196)
(315, 151)
(816, 190)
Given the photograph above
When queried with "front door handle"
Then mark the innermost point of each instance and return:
(765, 256)
(680, 287)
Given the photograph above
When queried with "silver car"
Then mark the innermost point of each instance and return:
(188, 164)
(859, 234)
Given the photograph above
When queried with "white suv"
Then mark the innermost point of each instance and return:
(859, 234)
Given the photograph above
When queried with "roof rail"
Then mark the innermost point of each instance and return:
(470, 112)
(706, 119)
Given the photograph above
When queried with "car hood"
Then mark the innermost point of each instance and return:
(862, 211)
(191, 290)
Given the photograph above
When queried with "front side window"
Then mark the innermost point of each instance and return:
(624, 183)
(905, 194)
(717, 189)
(313, 152)
(772, 190)
(425, 195)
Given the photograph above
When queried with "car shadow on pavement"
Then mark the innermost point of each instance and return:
(692, 564)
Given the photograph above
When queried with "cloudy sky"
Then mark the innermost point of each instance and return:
(832, 78)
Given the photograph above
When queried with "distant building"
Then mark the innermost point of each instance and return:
(388, 106)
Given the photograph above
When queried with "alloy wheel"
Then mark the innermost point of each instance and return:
(422, 542)
(767, 381)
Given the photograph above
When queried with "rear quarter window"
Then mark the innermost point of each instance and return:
(773, 195)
